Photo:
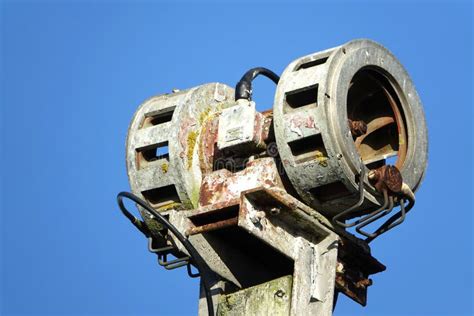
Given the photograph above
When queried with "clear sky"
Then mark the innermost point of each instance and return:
(72, 74)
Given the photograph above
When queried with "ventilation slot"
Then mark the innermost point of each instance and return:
(156, 118)
(309, 148)
(152, 153)
(216, 216)
(330, 191)
(162, 196)
(302, 97)
(311, 63)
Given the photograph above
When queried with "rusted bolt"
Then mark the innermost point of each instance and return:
(363, 283)
(373, 175)
(386, 177)
(357, 128)
(393, 179)
(274, 211)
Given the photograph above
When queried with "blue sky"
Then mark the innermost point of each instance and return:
(73, 73)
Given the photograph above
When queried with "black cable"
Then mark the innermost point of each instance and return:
(243, 89)
(198, 262)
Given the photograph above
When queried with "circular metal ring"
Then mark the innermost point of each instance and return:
(318, 94)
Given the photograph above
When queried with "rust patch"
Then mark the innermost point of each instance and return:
(357, 128)
(355, 264)
(213, 226)
(386, 178)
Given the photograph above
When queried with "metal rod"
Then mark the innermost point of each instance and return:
(375, 216)
(213, 226)
(356, 205)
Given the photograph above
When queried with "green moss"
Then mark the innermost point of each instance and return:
(274, 296)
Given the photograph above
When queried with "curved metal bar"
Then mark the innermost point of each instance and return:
(336, 218)
(200, 264)
(399, 217)
(190, 272)
(374, 213)
(381, 212)
(393, 221)
(158, 250)
(165, 262)
(173, 264)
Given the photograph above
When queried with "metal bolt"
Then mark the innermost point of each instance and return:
(274, 211)
(339, 156)
(386, 177)
(357, 128)
(280, 293)
(373, 175)
(175, 90)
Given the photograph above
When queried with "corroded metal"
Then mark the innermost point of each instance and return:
(358, 128)
(322, 158)
(174, 121)
(386, 178)
(256, 194)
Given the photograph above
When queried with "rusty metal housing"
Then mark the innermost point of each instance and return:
(262, 196)
(318, 94)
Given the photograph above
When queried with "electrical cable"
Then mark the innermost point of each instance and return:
(243, 89)
(198, 262)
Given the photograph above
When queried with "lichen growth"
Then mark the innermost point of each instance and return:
(271, 296)
(322, 158)
(192, 138)
(169, 206)
(204, 115)
(195, 195)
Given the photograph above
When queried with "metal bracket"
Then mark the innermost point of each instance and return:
(385, 209)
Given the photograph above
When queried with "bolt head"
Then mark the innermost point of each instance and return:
(373, 175)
